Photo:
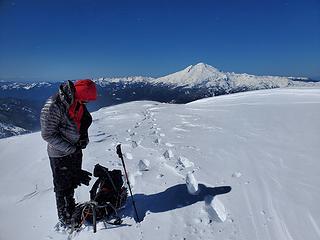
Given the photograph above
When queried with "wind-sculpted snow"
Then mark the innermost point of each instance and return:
(251, 161)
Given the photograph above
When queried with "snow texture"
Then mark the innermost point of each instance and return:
(192, 184)
(185, 162)
(168, 154)
(143, 165)
(215, 209)
(236, 174)
(271, 137)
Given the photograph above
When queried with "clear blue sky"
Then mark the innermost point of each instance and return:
(58, 40)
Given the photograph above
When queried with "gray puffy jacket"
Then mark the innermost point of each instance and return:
(57, 128)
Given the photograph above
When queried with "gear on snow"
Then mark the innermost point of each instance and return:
(107, 195)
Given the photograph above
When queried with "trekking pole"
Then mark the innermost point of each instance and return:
(94, 217)
(128, 183)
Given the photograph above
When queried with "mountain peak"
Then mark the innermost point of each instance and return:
(193, 75)
(202, 67)
(201, 64)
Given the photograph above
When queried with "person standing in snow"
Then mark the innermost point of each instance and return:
(64, 125)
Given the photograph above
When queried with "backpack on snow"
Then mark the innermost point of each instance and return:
(107, 195)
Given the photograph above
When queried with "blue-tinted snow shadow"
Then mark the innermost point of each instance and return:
(172, 198)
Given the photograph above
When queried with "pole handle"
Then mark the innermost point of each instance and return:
(119, 151)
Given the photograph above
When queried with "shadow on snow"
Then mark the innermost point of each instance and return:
(172, 198)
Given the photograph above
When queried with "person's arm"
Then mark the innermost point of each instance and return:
(85, 124)
(50, 119)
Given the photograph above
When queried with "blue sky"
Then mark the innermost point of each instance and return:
(58, 40)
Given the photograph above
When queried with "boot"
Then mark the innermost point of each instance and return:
(69, 207)
(65, 206)
(61, 209)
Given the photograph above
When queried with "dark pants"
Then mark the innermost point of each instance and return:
(65, 172)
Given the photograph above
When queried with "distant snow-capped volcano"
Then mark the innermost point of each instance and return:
(193, 75)
(204, 75)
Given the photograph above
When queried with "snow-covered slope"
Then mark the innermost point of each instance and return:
(261, 145)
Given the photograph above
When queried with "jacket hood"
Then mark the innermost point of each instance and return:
(85, 90)
(67, 93)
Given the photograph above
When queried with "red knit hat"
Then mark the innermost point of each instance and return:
(85, 90)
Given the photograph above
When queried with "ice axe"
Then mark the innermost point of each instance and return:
(128, 183)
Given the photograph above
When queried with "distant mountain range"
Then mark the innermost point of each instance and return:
(20, 103)
(18, 116)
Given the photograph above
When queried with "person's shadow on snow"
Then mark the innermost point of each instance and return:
(172, 198)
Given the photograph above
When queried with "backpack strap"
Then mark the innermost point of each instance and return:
(111, 180)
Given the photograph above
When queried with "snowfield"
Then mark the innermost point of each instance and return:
(241, 166)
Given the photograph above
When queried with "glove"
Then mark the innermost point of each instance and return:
(84, 177)
(82, 144)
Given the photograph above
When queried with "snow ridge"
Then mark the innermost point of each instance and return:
(12, 130)
(103, 81)
(20, 85)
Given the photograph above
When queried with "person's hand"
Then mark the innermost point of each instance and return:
(81, 144)
(85, 177)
